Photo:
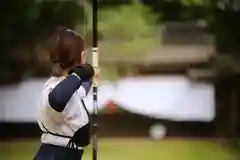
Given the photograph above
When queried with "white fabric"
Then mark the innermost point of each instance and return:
(73, 117)
(166, 97)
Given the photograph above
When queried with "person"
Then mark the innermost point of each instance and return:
(63, 116)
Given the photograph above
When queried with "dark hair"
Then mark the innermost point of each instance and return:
(65, 47)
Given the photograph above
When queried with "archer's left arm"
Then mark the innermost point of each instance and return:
(85, 88)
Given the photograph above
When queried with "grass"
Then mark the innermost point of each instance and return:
(130, 149)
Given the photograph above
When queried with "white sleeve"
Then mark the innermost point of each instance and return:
(82, 92)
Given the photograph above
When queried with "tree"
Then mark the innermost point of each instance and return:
(26, 23)
(128, 31)
(223, 19)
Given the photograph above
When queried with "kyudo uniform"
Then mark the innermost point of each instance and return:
(63, 119)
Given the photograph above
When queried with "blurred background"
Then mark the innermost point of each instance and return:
(169, 84)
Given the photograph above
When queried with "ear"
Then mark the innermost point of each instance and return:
(82, 57)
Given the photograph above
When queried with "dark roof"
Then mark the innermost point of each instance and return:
(170, 54)
(182, 54)
(191, 32)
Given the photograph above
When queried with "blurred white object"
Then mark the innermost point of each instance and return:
(173, 98)
(167, 97)
(157, 132)
(19, 102)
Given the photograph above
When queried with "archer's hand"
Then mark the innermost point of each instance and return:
(97, 72)
(84, 71)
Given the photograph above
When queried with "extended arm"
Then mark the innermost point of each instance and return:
(60, 95)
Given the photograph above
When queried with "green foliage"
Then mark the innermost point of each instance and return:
(196, 2)
(126, 22)
(221, 15)
(128, 31)
(221, 4)
(25, 23)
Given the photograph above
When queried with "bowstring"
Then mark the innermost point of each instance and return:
(85, 23)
